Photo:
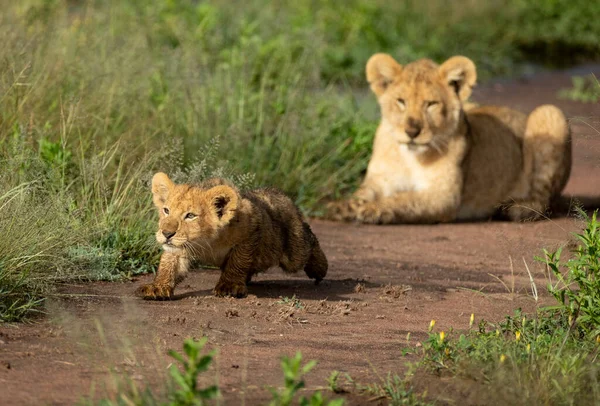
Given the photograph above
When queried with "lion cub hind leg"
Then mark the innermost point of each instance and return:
(547, 154)
(314, 261)
(316, 266)
(305, 253)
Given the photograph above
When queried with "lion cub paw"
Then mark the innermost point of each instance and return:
(526, 211)
(338, 211)
(155, 292)
(372, 214)
(345, 210)
(231, 289)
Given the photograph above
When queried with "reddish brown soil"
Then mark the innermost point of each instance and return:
(383, 283)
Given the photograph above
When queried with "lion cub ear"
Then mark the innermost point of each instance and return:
(161, 187)
(224, 201)
(381, 71)
(460, 73)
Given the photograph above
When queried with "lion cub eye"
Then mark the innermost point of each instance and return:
(166, 211)
(190, 216)
(401, 104)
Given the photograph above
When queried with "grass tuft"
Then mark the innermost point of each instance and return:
(545, 358)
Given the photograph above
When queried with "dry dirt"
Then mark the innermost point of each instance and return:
(383, 283)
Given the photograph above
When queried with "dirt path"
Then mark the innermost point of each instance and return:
(384, 282)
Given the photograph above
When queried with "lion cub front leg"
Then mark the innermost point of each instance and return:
(171, 271)
(425, 207)
(346, 210)
(235, 272)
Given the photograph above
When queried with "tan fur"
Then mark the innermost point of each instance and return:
(242, 233)
(435, 160)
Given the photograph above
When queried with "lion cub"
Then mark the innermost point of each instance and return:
(242, 233)
(437, 158)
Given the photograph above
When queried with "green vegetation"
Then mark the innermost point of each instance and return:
(398, 390)
(187, 392)
(546, 358)
(96, 95)
(586, 89)
(182, 387)
(182, 384)
(293, 374)
(291, 302)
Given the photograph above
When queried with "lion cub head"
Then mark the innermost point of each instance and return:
(191, 215)
(421, 103)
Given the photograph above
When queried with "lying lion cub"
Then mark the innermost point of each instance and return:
(435, 162)
(242, 233)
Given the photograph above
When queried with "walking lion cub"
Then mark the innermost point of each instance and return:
(435, 161)
(242, 233)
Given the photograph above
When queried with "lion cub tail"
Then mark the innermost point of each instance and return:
(316, 266)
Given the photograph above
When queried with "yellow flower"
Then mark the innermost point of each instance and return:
(598, 339)
(502, 358)
(442, 336)
(497, 332)
(518, 335)
(528, 348)
(472, 320)
(431, 325)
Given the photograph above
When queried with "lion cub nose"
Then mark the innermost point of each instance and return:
(168, 234)
(413, 132)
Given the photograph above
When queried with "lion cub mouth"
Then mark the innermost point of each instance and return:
(414, 147)
(169, 247)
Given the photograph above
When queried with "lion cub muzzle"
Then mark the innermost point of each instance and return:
(167, 230)
(168, 234)
(413, 128)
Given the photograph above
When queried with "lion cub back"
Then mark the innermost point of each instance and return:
(282, 230)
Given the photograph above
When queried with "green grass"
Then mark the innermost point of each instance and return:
(182, 384)
(585, 89)
(97, 95)
(181, 387)
(399, 391)
(293, 382)
(548, 357)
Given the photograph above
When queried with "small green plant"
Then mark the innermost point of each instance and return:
(334, 383)
(291, 301)
(585, 89)
(182, 389)
(577, 289)
(293, 374)
(55, 154)
(398, 390)
(187, 392)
